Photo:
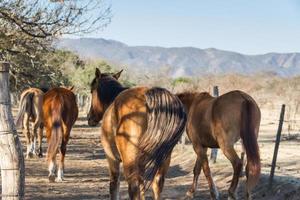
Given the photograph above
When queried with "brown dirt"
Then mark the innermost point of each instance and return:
(86, 174)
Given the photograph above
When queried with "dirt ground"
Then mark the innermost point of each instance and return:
(86, 173)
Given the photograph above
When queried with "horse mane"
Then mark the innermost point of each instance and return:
(108, 89)
(192, 95)
(204, 94)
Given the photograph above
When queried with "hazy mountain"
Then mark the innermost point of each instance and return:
(183, 61)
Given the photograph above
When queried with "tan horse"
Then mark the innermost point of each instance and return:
(60, 113)
(30, 110)
(219, 123)
(140, 127)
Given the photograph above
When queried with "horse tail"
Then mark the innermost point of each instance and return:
(56, 132)
(25, 105)
(249, 138)
(166, 122)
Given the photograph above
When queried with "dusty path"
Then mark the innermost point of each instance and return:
(86, 175)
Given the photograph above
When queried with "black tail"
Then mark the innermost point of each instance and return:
(25, 105)
(166, 122)
(249, 139)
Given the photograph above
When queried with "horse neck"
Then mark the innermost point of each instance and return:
(120, 89)
(187, 100)
(112, 91)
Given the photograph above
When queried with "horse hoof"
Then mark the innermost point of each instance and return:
(215, 196)
(29, 155)
(51, 178)
(231, 198)
(189, 195)
(248, 196)
(40, 155)
(59, 179)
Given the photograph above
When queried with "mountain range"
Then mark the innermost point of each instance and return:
(182, 61)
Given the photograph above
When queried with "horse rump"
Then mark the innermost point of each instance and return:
(25, 106)
(165, 125)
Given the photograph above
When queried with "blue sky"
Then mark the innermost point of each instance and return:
(245, 26)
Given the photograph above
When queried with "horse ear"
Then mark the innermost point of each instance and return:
(71, 88)
(98, 73)
(117, 75)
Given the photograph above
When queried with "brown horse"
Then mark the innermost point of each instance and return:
(30, 110)
(219, 123)
(60, 113)
(140, 127)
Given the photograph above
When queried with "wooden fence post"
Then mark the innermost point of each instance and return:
(214, 152)
(11, 154)
(281, 119)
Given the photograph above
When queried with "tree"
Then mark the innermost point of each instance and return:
(29, 28)
(27, 24)
(27, 31)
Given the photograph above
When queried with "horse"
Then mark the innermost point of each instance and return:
(140, 127)
(30, 110)
(219, 122)
(60, 113)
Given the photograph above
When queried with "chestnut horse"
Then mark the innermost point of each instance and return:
(140, 127)
(219, 122)
(30, 110)
(60, 113)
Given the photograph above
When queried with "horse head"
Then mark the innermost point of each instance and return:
(104, 88)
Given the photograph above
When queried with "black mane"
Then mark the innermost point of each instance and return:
(108, 89)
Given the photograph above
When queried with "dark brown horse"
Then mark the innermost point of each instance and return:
(60, 113)
(30, 110)
(140, 127)
(219, 123)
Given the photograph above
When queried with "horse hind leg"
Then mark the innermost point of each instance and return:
(114, 183)
(35, 135)
(40, 138)
(52, 169)
(243, 161)
(135, 188)
(197, 169)
(213, 189)
(63, 149)
(237, 164)
(61, 165)
(159, 179)
(26, 132)
(134, 180)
